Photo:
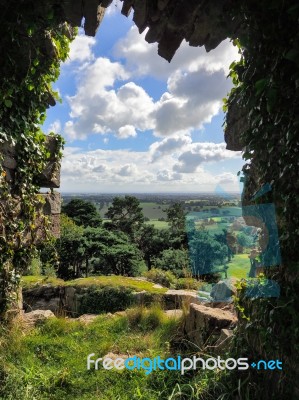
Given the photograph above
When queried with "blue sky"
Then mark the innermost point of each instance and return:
(135, 123)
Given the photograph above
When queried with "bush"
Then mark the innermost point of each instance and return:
(34, 267)
(164, 278)
(146, 319)
(188, 283)
(105, 299)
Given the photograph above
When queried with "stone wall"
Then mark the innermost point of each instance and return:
(50, 203)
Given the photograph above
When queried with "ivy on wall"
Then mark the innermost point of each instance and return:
(266, 90)
(34, 42)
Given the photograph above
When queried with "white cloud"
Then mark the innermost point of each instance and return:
(81, 49)
(165, 175)
(226, 178)
(169, 146)
(143, 59)
(200, 153)
(126, 131)
(128, 170)
(109, 171)
(55, 127)
(114, 8)
(193, 99)
(98, 108)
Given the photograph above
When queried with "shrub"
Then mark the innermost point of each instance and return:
(105, 299)
(146, 319)
(164, 278)
(188, 283)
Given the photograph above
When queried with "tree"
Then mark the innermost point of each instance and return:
(82, 212)
(126, 215)
(70, 248)
(174, 260)
(111, 252)
(205, 253)
(176, 218)
(152, 241)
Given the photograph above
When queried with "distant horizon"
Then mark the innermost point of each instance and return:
(153, 193)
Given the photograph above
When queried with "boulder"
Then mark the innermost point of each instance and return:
(203, 324)
(174, 299)
(37, 317)
(222, 291)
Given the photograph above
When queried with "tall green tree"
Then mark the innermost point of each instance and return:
(206, 253)
(176, 218)
(82, 212)
(126, 215)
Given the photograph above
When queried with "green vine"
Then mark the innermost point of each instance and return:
(35, 42)
(266, 90)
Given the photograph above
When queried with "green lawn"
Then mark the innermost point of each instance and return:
(113, 280)
(49, 362)
(150, 210)
(239, 266)
(158, 224)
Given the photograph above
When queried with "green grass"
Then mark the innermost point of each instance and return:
(239, 266)
(49, 362)
(150, 210)
(101, 281)
(158, 224)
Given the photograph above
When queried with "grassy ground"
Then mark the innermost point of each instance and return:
(158, 224)
(239, 266)
(150, 210)
(113, 280)
(49, 362)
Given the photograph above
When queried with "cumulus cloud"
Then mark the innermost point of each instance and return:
(55, 127)
(169, 146)
(109, 171)
(165, 175)
(200, 153)
(81, 49)
(126, 131)
(226, 178)
(99, 108)
(128, 170)
(193, 99)
(142, 57)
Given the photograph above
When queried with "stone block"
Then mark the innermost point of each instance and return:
(50, 176)
(203, 324)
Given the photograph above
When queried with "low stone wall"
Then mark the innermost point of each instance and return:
(77, 300)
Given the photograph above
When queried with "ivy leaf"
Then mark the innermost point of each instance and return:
(260, 85)
(271, 99)
(292, 55)
(8, 103)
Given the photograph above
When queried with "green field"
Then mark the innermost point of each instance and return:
(150, 210)
(158, 224)
(239, 266)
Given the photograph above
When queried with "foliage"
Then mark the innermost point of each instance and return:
(176, 218)
(205, 253)
(126, 214)
(164, 278)
(266, 93)
(34, 47)
(188, 283)
(97, 300)
(101, 281)
(174, 260)
(83, 213)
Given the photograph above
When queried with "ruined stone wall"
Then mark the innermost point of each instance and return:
(50, 203)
